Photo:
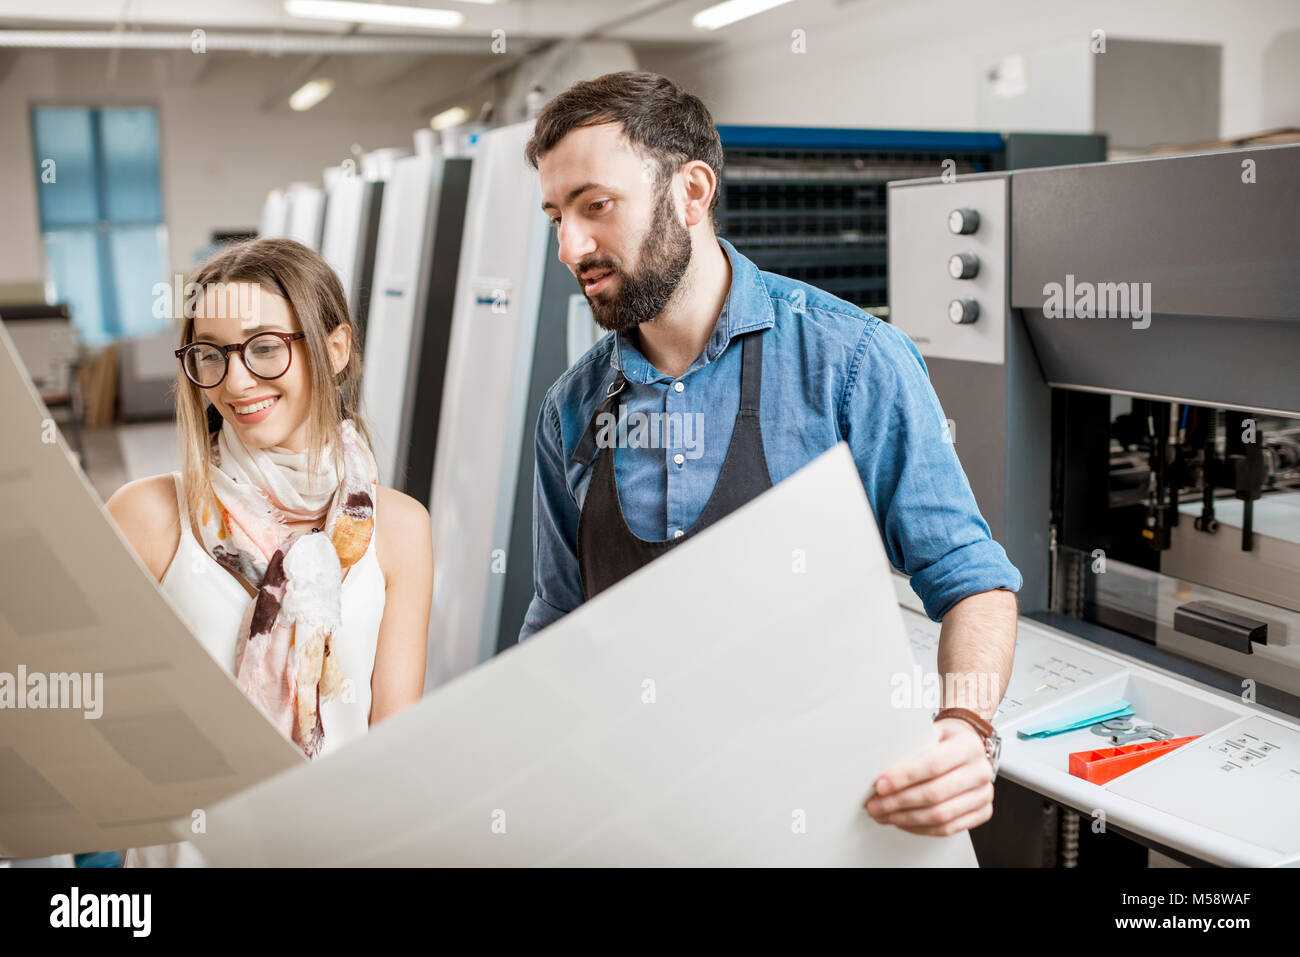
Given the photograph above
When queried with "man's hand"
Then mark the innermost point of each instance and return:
(946, 788)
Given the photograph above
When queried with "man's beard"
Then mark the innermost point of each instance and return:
(665, 254)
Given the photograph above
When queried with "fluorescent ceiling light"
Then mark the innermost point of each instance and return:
(448, 118)
(724, 14)
(310, 93)
(386, 13)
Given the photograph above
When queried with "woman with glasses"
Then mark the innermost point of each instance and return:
(302, 576)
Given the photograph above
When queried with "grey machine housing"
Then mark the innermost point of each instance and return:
(1212, 242)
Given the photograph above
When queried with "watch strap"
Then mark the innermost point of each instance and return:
(970, 717)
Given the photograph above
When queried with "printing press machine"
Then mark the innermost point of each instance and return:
(1115, 346)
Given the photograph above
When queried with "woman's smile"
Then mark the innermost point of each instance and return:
(250, 412)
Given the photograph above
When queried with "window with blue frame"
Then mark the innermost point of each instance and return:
(101, 216)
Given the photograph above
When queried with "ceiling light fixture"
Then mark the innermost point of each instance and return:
(310, 93)
(725, 14)
(386, 13)
(449, 118)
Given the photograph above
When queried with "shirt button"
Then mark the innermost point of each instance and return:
(679, 458)
(678, 386)
(678, 534)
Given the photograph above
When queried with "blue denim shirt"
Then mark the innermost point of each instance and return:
(831, 372)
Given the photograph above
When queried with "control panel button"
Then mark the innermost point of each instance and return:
(963, 310)
(963, 221)
(963, 266)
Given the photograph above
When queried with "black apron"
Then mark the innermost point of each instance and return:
(609, 551)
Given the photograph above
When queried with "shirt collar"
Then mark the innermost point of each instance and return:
(748, 307)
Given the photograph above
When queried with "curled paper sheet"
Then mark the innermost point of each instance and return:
(655, 725)
(170, 733)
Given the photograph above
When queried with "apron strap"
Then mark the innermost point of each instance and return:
(586, 451)
(751, 370)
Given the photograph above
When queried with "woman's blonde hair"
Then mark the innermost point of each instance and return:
(314, 294)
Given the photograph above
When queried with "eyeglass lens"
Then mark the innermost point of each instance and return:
(266, 356)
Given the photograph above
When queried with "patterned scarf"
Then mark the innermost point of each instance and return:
(282, 660)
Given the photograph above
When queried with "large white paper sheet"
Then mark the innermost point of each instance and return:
(729, 704)
(174, 735)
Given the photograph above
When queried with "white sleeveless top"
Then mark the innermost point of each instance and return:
(213, 603)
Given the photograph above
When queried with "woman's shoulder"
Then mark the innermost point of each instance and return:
(398, 512)
(146, 511)
(403, 529)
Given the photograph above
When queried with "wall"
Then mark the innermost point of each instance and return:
(220, 152)
(913, 64)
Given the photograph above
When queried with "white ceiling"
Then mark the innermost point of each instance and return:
(522, 19)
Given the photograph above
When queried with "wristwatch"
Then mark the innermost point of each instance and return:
(992, 740)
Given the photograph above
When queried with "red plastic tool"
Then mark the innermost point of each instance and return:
(1106, 764)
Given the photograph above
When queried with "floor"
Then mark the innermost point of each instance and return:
(125, 452)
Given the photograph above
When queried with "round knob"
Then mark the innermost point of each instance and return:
(963, 310)
(963, 221)
(963, 265)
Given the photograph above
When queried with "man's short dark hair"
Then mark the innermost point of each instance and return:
(667, 124)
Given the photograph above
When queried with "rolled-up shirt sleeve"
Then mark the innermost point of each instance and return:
(927, 515)
(557, 584)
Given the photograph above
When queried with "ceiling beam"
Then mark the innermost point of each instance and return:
(272, 43)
